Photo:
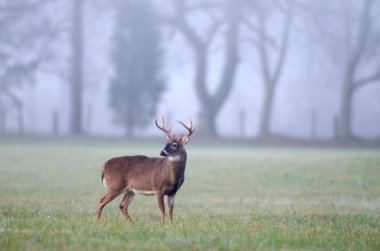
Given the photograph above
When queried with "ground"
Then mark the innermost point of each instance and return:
(235, 197)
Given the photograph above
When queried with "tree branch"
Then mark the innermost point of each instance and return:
(263, 50)
(362, 36)
(268, 40)
(21, 7)
(180, 22)
(213, 30)
(204, 5)
(284, 47)
(367, 80)
(232, 54)
(247, 22)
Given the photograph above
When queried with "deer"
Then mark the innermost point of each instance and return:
(159, 176)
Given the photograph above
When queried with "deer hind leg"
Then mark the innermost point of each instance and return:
(128, 197)
(170, 205)
(110, 195)
(161, 205)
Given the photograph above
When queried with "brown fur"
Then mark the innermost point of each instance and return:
(128, 173)
(159, 176)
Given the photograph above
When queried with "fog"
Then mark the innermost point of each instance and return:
(322, 60)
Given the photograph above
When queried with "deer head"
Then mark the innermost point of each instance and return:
(174, 143)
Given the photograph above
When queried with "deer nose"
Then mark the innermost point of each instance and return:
(164, 153)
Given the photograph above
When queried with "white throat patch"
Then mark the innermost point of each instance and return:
(175, 158)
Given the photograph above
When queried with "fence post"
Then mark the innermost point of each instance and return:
(314, 121)
(55, 123)
(242, 123)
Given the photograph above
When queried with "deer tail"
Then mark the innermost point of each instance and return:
(103, 179)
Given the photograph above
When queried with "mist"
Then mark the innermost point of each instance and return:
(239, 69)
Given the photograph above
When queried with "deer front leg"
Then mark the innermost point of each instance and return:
(170, 205)
(161, 205)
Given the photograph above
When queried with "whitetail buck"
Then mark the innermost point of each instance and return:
(147, 176)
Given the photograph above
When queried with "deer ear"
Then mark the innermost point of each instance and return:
(184, 140)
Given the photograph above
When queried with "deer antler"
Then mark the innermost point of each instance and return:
(162, 128)
(191, 129)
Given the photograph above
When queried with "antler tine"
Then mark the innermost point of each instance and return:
(164, 124)
(163, 128)
(190, 129)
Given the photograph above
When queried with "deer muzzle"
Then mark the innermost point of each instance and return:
(164, 153)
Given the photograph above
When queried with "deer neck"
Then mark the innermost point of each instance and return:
(176, 164)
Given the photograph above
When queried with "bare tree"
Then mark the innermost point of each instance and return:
(268, 45)
(211, 104)
(76, 88)
(24, 31)
(350, 33)
(352, 81)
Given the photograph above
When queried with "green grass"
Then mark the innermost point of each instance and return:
(234, 198)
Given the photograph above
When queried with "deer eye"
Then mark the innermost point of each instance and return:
(174, 144)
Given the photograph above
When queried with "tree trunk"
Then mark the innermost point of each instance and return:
(206, 115)
(207, 123)
(76, 67)
(55, 123)
(231, 60)
(242, 119)
(314, 124)
(130, 115)
(129, 131)
(266, 112)
(3, 116)
(345, 106)
(20, 119)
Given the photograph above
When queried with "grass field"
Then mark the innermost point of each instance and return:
(234, 198)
